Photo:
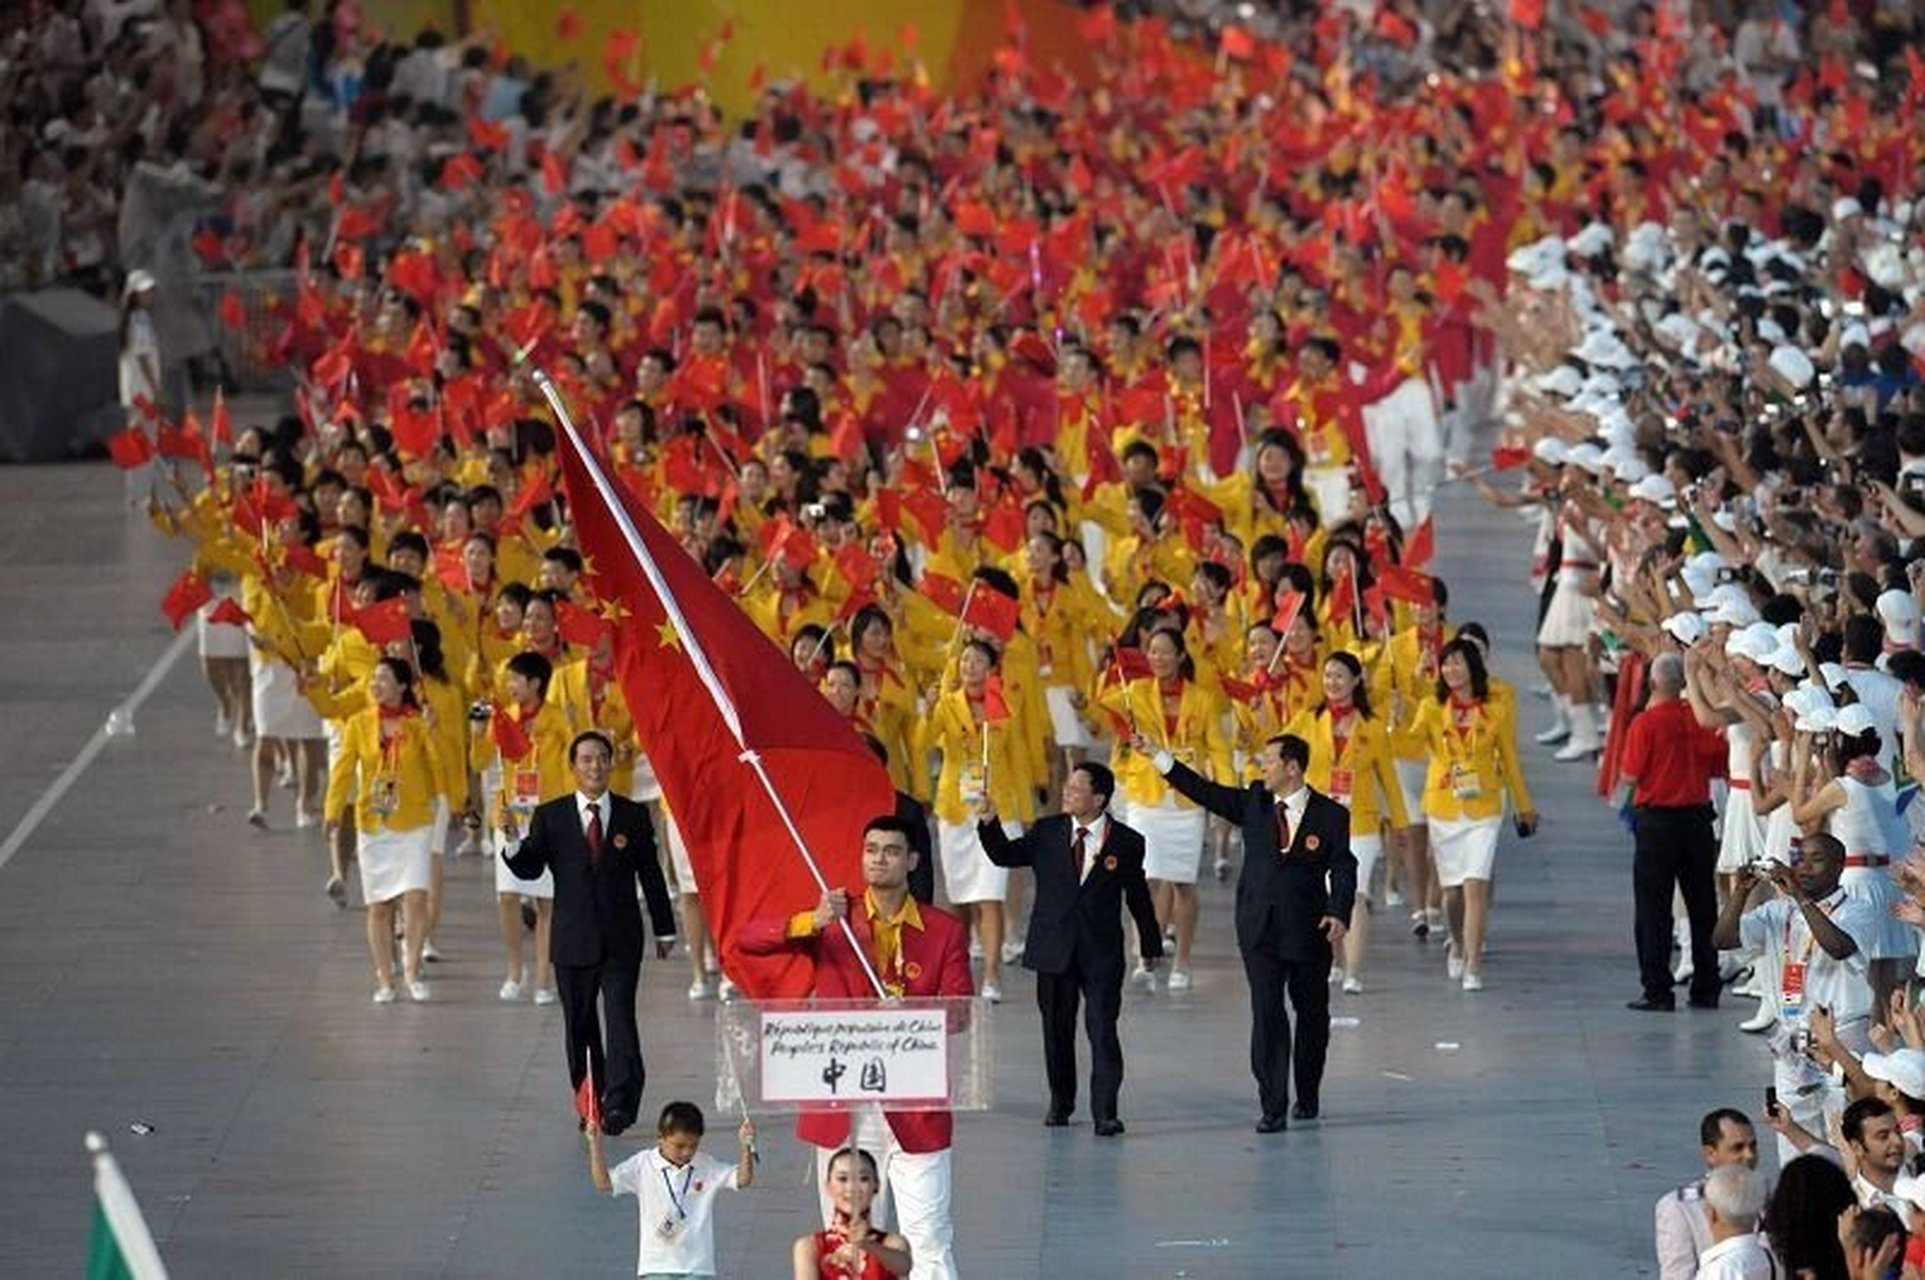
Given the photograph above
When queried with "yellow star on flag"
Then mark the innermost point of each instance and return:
(668, 638)
(613, 610)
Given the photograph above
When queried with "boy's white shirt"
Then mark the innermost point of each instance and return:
(691, 1250)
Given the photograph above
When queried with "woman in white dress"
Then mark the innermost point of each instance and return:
(391, 770)
(1566, 630)
(1858, 805)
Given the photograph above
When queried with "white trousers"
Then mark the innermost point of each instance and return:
(1407, 447)
(914, 1195)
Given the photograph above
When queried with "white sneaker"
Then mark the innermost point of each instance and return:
(1453, 963)
(1222, 868)
(544, 996)
(510, 990)
(418, 991)
(221, 727)
(1762, 1020)
(1144, 976)
(242, 738)
(702, 989)
(1336, 973)
(257, 819)
(993, 992)
(1180, 980)
(1012, 951)
(1473, 983)
(384, 995)
(726, 991)
(975, 949)
(1555, 733)
(305, 818)
(1575, 750)
(430, 952)
(1392, 898)
(1353, 986)
(1419, 924)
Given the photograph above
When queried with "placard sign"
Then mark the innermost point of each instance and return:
(893, 1056)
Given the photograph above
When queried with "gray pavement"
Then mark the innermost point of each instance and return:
(162, 965)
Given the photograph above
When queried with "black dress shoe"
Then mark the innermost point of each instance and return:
(1703, 1002)
(1111, 1128)
(1645, 1004)
(1272, 1124)
(1302, 1110)
(1056, 1117)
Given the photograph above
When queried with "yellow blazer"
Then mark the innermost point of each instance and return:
(584, 707)
(1481, 756)
(411, 760)
(1366, 759)
(1198, 739)
(549, 735)
(1413, 682)
(956, 734)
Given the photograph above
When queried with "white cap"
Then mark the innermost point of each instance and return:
(1845, 207)
(1551, 450)
(1793, 365)
(1686, 628)
(1787, 659)
(1745, 643)
(1904, 1070)
(1561, 381)
(1816, 720)
(139, 280)
(1594, 239)
(1854, 720)
(1656, 490)
(1601, 347)
(1587, 456)
(1731, 607)
(1907, 1188)
(1899, 612)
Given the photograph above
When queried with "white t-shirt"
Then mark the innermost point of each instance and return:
(1777, 929)
(676, 1209)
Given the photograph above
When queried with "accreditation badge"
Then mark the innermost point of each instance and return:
(973, 782)
(525, 791)
(1464, 782)
(668, 1228)
(384, 795)
(1341, 782)
(1791, 991)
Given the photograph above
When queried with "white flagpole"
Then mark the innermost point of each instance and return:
(124, 1218)
(697, 656)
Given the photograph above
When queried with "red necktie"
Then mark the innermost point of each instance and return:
(594, 831)
(1283, 830)
(1079, 849)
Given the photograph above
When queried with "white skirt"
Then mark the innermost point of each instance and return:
(1411, 777)
(1464, 849)
(1567, 622)
(678, 854)
(279, 709)
(967, 873)
(506, 881)
(1330, 486)
(1893, 939)
(219, 639)
(1067, 725)
(1742, 840)
(645, 787)
(1172, 839)
(395, 862)
(1368, 850)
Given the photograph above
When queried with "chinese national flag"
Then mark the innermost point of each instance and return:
(992, 611)
(221, 424)
(579, 626)
(188, 593)
(1289, 605)
(1402, 583)
(383, 623)
(944, 590)
(229, 612)
(509, 737)
(131, 448)
(1421, 548)
(737, 735)
(1528, 14)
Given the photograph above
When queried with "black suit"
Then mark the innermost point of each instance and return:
(1282, 898)
(1075, 945)
(597, 938)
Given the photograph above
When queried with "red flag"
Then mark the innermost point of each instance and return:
(509, 737)
(1004, 527)
(1289, 605)
(859, 567)
(184, 441)
(229, 613)
(1528, 14)
(1421, 548)
(757, 766)
(130, 449)
(579, 626)
(587, 1105)
(219, 423)
(1343, 596)
(1237, 43)
(992, 611)
(946, 592)
(1401, 583)
(1131, 664)
(233, 310)
(188, 593)
(995, 705)
(1508, 457)
(383, 623)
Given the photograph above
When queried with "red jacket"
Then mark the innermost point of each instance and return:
(935, 962)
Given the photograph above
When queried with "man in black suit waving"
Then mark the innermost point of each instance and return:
(1088, 865)
(599, 845)
(1298, 884)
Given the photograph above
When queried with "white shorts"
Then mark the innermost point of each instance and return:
(394, 862)
(967, 873)
(1064, 720)
(1172, 838)
(1464, 849)
(1567, 622)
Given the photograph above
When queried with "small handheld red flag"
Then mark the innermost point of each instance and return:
(945, 591)
(384, 622)
(509, 737)
(1289, 605)
(188, 593)
(1421, 548)
(992, 611)
(995, 705)
(130, 449)
(229, 613)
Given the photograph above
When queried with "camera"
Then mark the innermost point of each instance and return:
(480, 712)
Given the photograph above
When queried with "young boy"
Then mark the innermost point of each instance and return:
(675, 1187)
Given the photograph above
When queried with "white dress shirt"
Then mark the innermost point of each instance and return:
(1099, 831)
(583, 804)
(1294, 806)
(1742, 1257)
